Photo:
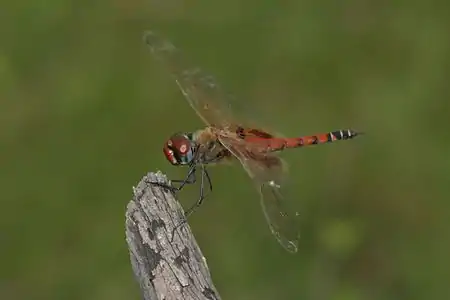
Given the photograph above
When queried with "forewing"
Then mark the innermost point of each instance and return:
(199, 88)
(269, 172)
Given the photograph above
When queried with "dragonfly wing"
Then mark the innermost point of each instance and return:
(199, 88)
(282, 221)
(269, 172)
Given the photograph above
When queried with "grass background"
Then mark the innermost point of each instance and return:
(85, 110)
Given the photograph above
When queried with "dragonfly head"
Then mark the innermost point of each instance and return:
(179, 149)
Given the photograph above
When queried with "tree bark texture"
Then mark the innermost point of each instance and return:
(167, 262)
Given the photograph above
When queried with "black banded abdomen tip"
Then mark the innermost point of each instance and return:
(345, 134)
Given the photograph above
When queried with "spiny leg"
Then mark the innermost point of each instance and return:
(199, 202)
(189, 179)
(209, 180)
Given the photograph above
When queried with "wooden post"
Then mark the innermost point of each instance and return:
(167, 263)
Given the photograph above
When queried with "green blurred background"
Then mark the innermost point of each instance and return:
(85, 110)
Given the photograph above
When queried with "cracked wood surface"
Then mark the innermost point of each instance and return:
(167, 263)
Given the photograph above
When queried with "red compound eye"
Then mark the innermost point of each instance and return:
(170, 155)
(183, 148)
(178, 149)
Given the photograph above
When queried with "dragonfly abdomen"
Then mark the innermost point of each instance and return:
(277, 144)
(343, 134)
(323, 138)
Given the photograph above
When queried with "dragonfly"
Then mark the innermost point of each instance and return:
(226, 138)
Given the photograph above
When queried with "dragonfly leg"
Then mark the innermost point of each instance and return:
(209, 180)
(199, 202)
(190, 179)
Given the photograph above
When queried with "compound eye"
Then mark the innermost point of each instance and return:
(178, 149)
(170, 155)
(183, 149)
(180, 145)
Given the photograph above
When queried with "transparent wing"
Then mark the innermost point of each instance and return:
(269, 172)
(212, 105)
(199, 88)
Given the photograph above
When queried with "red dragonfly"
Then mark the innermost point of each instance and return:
(226, 138)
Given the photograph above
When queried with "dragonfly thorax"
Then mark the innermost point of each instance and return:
(179, 149)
